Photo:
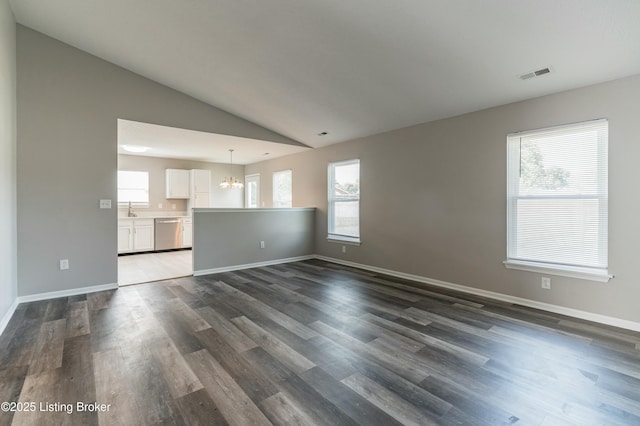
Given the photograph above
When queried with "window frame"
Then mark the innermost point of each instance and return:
(277, 203)
(247, 179)
(137, 204)
(331, 182)
(593, 273)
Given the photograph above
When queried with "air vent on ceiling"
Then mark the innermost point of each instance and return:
(536, 73)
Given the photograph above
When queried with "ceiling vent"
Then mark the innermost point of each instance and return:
(533, 74)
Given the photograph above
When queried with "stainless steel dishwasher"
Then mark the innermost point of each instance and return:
(168, 233)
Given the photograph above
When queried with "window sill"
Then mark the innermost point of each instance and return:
(600, 275)
(344, 240)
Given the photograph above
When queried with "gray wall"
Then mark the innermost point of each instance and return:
(157, 182)
(224, 238)
(68, 106)
(433, 199)
(8, 248)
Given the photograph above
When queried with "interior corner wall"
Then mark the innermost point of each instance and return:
(68, 103)
(433, 197)
(8, 218)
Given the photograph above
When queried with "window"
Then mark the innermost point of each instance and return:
(252, 191)
(133, 187)
(557, 202)
(344, 201)
(282, 189)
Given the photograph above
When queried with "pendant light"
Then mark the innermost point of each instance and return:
(231, 182)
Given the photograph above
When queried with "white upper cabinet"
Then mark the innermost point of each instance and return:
(177, 184)
(200, 189)
(201, 181)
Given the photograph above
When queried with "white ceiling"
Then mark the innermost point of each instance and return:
(356, 67)
(171, 142)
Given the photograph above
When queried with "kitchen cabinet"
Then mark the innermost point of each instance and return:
(178, 182)
(135, 235)
(200, 182)
(187, 232)
(125, 236)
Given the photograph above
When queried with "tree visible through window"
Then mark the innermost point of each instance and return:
(558, 198)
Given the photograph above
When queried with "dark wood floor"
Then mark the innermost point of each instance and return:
(312, 343)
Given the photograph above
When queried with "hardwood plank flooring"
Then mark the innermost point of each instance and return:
(311, 343)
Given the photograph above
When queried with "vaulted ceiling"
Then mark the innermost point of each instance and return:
(351, 67)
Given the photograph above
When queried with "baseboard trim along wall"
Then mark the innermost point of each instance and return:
(252, 265)
(66, 293)
(7, 317)
(575, 313)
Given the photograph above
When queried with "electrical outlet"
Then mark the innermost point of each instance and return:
(173, 206)
(262, 245)
(344, 249)
(159, 205)
(64, 264)
(546, 283)
(105, 204)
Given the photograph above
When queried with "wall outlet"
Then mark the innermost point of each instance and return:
(64, 264)
(262, 245)
(173, 206)
(159, 205)
(344, 249)
(105, 204)
(546, 283)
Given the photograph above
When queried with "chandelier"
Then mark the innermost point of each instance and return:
(231, 182)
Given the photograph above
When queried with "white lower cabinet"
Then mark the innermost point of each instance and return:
(135, 235)
(125, 236)
(187, 232)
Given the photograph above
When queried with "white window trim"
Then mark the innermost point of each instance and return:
(347, 239)
(344, 239)
(273, 188)
(247, 178)
(137, 204)
(591, 274)
(600, 275)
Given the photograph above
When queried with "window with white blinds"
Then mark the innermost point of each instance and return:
(557, 202)
(133, 187)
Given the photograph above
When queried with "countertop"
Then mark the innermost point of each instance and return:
(153, 215)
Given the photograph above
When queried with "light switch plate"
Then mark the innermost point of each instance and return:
(105, 204)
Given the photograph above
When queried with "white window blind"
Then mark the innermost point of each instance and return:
(344, 201)
(557, 198)
(282, 191)
(133, 186)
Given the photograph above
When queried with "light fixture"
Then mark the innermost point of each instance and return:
(135, 148)
(231, 182)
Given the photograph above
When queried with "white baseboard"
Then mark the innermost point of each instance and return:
(252, 265)
(8, 315)
(66, 293)
(576, 313)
